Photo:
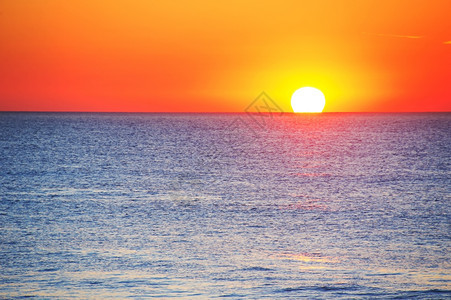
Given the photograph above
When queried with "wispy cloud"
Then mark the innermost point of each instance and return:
(403, 36)
(447, 43)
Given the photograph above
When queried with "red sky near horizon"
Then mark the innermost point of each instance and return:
(209, 56)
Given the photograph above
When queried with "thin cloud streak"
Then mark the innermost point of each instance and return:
(396, 35)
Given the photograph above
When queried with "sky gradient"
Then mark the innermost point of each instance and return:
(208, 56)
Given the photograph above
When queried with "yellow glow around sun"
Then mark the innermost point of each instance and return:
(308, 100)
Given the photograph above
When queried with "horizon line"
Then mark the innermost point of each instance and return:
(210, 112)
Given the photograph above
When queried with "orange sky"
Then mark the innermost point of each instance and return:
(207, 56)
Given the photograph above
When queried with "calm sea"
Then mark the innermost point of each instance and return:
(225, 205)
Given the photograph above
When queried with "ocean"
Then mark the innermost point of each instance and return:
(323, 206)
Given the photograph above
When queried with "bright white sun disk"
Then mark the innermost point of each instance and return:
(308, 100)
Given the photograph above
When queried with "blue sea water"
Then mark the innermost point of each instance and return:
(222, 205)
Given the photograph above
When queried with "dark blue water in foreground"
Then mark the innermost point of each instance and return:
(222, 205)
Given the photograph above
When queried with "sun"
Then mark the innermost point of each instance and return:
(308, 100)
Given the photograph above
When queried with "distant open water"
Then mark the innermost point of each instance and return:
(198, 205)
